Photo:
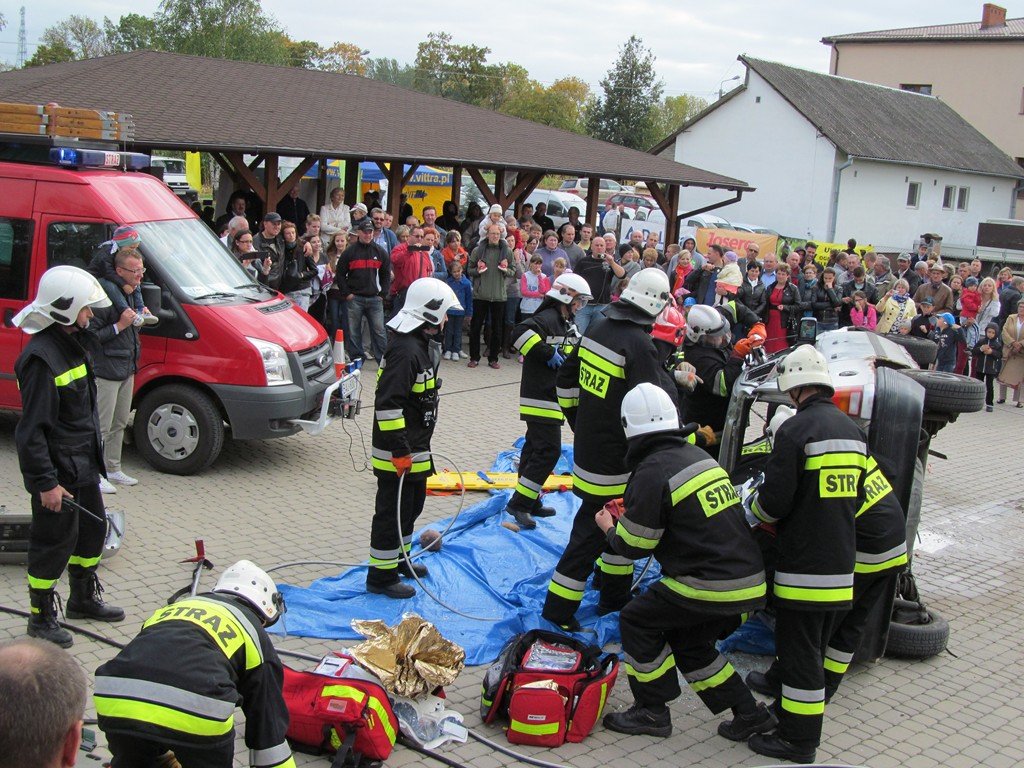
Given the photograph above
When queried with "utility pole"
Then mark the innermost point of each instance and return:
(22, 43)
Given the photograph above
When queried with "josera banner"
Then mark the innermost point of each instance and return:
(734, 240)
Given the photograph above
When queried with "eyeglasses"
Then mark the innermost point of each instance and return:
(249, 240)
(139, 271)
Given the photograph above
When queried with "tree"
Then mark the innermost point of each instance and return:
(626, 113)
(223, 29)
(341, 57)
(76, 37)
(133, 32)
(562, 105)
(674, 111)
(460, 72)
(390, 71)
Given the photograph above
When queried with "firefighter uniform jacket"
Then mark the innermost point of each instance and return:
(813, 487)
(405, 405)
(881, 526)
(536, 339)
(180, 679)
(718, 369)
(58, 437)
(612, 358)
(682, 507)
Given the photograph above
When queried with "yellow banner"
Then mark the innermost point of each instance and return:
(825, 251)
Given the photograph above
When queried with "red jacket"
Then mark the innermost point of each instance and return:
(408, 266)
(970, 303)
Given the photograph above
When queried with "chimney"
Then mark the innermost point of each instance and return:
(992, 16)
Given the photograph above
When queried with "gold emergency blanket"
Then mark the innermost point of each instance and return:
(411, 658)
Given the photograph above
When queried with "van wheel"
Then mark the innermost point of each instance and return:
(178, 429)
(923, 351)
(915, 632)
(949, 392)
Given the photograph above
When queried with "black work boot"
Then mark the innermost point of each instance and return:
(396, 590)
(405, 570)
(523, 518)
(540, 510)
(86, 601)
(763, 683)
(640, 720)
(742, 727)
(772, 745)
(43, 623)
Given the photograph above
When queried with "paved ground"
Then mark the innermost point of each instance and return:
(311, 498)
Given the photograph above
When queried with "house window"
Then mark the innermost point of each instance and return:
(948, 197)
(913, 194)
(922, 88)
(961, 198)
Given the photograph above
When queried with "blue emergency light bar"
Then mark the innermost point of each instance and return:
(98, 158)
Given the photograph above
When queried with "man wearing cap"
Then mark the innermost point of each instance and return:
(270, 240)
(938, 291)
(904, 271)
(947, 334)
(363, 275)
(359, 212)
(921, 325)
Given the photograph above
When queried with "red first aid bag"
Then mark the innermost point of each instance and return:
(339, 708)
(552, 688)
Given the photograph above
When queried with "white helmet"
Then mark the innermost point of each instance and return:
(647, 408)
(64, 291)
(648, 291)
(703, 322)
(251, 583)
(782, 414)
(804, 367)
(427, 301)
(569, 286)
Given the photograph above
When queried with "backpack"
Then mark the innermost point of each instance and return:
(339, 708)
(550, 686)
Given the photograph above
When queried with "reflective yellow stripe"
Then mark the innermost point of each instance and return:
(386, 466)
(85, 562)
(638, 542)
(547, 413)
(900, 559)
(527, 492)
(217, 621)
(388, 425)
(348, 692)
(611, 491)
(529, 344)
(530, 729)
(614, 569)
(165, 717)
(803, 707)
(422, 386)
(569, 594)
(713, 596)
(715, 498)
(646, 677)
(839, 595)
(836, 666)
(67, 377)
(37, 583)
(568, 402)
(720, 385)
(384, 565)
(717, 679)
(837, 459)
(876, 488)
(601, 364)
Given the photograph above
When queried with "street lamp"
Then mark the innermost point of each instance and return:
(721, 92)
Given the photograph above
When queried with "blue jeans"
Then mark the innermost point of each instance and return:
(586, 315)
(947, 367)
(337, 315)
(372, 308)
(453, 334)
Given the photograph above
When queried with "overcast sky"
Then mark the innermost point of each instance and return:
(696, 42)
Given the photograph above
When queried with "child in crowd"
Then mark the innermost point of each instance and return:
(946, 334)
(533, 285)
(558, 267)
(921, 326)
(989, 361)
(453, 250)
(452, 344)
(863, 314)
(905, 327)
(102, 267)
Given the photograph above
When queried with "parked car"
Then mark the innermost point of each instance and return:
(558, 203)
(579, 187)
(631, 200)
(756, 228)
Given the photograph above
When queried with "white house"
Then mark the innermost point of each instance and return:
(833, 158)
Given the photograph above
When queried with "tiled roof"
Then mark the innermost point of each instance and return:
(968, 31)
(190, 102)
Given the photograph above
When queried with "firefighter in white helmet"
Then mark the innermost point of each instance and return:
(60, 451)
(176, 685)
(405, 413)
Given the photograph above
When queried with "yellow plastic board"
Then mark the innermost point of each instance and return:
(450, 481)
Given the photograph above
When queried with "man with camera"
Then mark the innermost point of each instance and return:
(597, 268)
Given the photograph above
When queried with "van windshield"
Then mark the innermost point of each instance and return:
(189, 256)
(171, 165)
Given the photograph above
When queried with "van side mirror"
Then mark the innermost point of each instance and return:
(807, 333)
(151, 297)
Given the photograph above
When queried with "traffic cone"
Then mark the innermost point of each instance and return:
(340, 360)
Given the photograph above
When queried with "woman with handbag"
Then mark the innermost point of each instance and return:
(783, 311)
(1012, 373)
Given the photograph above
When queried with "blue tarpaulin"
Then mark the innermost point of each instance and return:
(483, 569)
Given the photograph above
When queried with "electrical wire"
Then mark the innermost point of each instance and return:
(408, 743)
(512, 753)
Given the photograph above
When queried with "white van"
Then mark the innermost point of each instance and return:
(174, 175)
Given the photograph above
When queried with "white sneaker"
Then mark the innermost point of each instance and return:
(105, 486)
(120, 478)
(446, 356)
(463, 355)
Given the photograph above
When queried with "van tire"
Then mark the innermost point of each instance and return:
(923, 351)
(178, 429)
(915, 632)
(949, 393)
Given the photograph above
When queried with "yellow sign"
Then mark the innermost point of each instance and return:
(825, 251)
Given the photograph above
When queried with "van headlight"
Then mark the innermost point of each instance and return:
(275, 361)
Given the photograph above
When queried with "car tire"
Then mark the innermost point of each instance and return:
(178, 429)
(949, 392)
(915, 632)
(923, 351)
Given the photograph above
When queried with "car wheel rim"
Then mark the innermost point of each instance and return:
(173, 431)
